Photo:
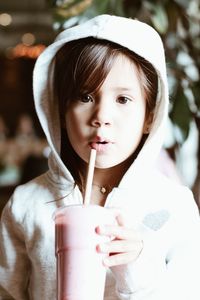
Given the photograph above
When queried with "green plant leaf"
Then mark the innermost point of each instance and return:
(196, 93)
(160, 19)
(180, 113)
(73, 8)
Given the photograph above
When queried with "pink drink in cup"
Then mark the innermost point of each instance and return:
(80, 270)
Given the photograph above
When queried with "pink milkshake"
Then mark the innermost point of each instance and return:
(80, 271)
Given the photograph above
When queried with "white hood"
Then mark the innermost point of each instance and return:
(132, 34)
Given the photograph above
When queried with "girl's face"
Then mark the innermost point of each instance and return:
(112, 120)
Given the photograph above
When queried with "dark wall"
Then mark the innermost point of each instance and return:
(16, 95)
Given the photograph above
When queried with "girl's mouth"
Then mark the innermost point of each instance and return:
(104, 142)
(100, 146)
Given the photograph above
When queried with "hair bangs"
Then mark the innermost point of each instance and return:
(92, 67)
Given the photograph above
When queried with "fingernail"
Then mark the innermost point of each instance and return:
(102, 248)
(100, 229)
(98, 249)
(97, 229)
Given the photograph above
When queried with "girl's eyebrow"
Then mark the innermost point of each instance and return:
(124, 89)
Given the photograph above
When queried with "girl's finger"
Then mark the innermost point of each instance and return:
(118, 215)
(118, 232)
(121, 246)
(120, 259)
(121, 220)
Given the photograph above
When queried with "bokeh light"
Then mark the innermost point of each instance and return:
(5, 19)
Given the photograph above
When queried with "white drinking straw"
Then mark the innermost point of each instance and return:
(88, 187)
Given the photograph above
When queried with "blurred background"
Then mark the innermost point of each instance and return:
(28, 26)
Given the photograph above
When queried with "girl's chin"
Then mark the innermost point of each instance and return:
(104, 165)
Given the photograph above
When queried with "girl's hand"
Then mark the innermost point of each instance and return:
(125, 247)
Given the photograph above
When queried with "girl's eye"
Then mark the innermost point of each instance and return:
(86, 98)
(123, 100)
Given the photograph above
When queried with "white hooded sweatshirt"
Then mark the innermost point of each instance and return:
(165, 213)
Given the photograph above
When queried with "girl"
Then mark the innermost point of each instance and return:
(103, 85)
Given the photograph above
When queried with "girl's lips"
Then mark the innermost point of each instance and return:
(100, 146)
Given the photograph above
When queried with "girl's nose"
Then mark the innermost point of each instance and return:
(101, 116)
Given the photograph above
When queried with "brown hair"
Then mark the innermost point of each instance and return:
(81, 66)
